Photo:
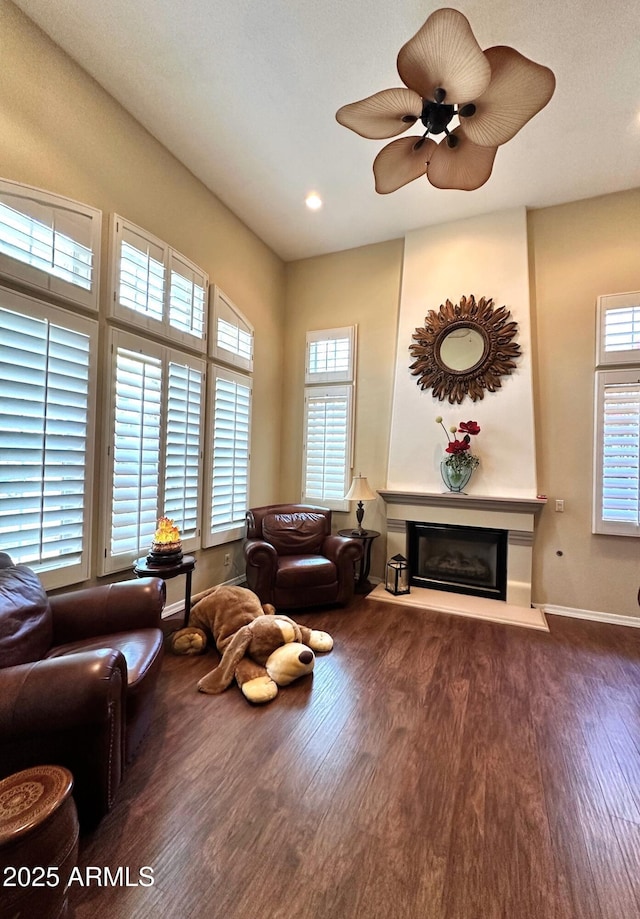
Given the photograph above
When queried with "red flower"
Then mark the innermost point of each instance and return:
(457, 446)
(470, 427)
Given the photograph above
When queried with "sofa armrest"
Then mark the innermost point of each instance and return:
(62, 693)
(262, 564)
(342, 550)
(95, 611)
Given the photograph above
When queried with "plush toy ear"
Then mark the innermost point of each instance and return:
(218, 679)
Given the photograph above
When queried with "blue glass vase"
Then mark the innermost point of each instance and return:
(455, 478)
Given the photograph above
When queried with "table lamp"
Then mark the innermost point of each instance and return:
(360, 491)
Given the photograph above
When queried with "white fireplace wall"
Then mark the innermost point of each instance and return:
(484, 256)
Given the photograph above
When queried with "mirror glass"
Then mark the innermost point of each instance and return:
(461, 349)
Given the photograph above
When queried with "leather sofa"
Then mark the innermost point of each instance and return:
(77, 678)
(293, 560)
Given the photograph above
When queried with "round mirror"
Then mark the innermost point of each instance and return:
(461, 349)
(464, 348)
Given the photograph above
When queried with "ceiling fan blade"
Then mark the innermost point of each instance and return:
(380, 115)
(466, 166)
(400, 162)
(519, 89)
(445, 54)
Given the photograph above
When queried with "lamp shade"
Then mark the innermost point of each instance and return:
(360, 490)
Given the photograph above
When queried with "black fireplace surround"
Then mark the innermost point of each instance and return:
(461, 559)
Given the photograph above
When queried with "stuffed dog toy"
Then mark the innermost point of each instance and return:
(260, 649)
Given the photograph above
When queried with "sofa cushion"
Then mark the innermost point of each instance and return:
(26, 628)
(305, 571)
(295, 534)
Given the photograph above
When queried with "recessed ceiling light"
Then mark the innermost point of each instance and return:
(313, 201)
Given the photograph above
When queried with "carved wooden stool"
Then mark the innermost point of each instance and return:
(38, 842)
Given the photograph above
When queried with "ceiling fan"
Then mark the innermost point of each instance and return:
(477, 100)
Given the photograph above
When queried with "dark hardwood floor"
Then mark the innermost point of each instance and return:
(433, 767)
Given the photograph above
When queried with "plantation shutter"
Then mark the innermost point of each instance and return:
(50, 242)
(618, 339)
(230, 453)
(136, 452)
(187, 297)
(141, 275)
(232, 341)
(618, 477)
(327, 443)
(45, 395)
(183, 450)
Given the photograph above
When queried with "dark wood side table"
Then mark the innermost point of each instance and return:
(366, 537)
(145, 569)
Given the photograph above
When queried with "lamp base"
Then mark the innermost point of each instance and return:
(359, 532)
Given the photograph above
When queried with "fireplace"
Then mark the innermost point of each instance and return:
(462, 559)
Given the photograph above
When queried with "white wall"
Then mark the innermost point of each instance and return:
(485, 256)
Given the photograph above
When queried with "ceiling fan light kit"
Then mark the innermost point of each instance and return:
(469, 102)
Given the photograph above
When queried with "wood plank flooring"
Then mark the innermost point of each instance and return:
(433, 767)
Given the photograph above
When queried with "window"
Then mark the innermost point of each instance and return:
(154, 450)
(617, 498)
(619, 329)
(228, 455)
(328, 416)
(50, 243)
(232, 338)
(330, 355)
(47, 406)
(616, 505)
(156, 288)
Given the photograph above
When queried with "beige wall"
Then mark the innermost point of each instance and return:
(362, 287)
(60, 131)
(578, 251)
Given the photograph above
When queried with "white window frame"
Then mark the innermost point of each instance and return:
(608, 380)
(215, 535)
(629, 303)
(109, 563)
(327, 383)
(331, 338)
(223, 310)
(58, 211)
(169, 258)
(55, 573)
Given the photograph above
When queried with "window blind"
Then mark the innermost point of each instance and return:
(44, 448)
(327, 443)
(142, 275)
(182, 466)
(186, 298)
(49, 242)
(136, 452)
(230, 452)
(156, 288)
(622, 329)
(232, 342)
(621, 453)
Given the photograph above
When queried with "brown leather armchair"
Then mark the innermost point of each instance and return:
(77, 678)
(293, 560)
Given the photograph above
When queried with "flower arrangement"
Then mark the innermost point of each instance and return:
(460, 458)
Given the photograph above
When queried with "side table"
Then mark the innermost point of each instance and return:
(38, 841)
(366, 537)
(146, 569)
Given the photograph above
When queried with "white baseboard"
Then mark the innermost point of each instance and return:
(591, 614)
(178, 607)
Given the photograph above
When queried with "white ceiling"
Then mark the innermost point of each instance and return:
(244, 93)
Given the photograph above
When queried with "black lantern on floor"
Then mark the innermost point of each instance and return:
(397, 580)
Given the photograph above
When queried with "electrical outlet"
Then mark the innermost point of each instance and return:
(227, 560)
(560, 505)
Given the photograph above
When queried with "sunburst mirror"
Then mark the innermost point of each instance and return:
(464, 349)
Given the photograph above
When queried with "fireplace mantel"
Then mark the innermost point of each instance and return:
(514, 514)
(470, 502)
